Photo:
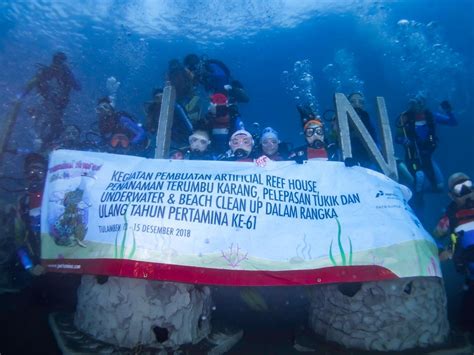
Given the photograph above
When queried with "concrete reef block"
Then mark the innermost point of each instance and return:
(130, 312)
(390, 315)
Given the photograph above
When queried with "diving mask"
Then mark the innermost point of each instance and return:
(462, 188)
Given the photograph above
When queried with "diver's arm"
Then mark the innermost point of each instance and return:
(138, 131)
(442, 228)
(447, 118)
(399, 134)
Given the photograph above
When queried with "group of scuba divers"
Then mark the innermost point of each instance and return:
(207, 126)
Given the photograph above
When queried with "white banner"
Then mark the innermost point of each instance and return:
(229, 215)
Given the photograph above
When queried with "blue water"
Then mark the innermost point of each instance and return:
(284, 52)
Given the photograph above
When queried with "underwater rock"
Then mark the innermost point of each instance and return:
(389, 315)
(128, 312)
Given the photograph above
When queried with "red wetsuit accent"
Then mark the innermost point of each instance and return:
(316, 154)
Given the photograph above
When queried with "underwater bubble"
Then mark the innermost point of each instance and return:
(213, 308)
(285, 72)
(403, 22)
(297, 97)
(203, 317)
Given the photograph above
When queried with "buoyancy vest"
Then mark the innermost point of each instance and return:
(421, 128)
(461, 222)
(309, 153)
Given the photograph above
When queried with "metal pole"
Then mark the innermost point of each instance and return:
(165, 121)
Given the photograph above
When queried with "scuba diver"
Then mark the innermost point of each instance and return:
(182, 126)
(40, 287)
(223, 120)
(188, 110)
(270, 145)
(458, 223)
(28, 219)
(215, 77)
(186, 95)
(241, 145)
(416, 131)
(54, 83)
(70, 138)
(198, 149)
(225, 93)
(120, 133)
(199, 143)
(359, 152)
(316, 147)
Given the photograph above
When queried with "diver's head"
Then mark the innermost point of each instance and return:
(460, 188)
(35, 167)
(199, 141)
(241, 143)
(192, 62)
(314, 133)
(70, 135)
(417, 103)
(59, 58)
(104, 107)
(357, 100)
(269, 141)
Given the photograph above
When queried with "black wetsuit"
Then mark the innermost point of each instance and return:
(54, 83)
(359, 152)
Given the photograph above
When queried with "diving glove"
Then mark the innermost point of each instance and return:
(350, 162)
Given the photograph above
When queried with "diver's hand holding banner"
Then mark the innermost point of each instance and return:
(229, 223)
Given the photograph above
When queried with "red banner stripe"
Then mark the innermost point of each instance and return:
(208, 276)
